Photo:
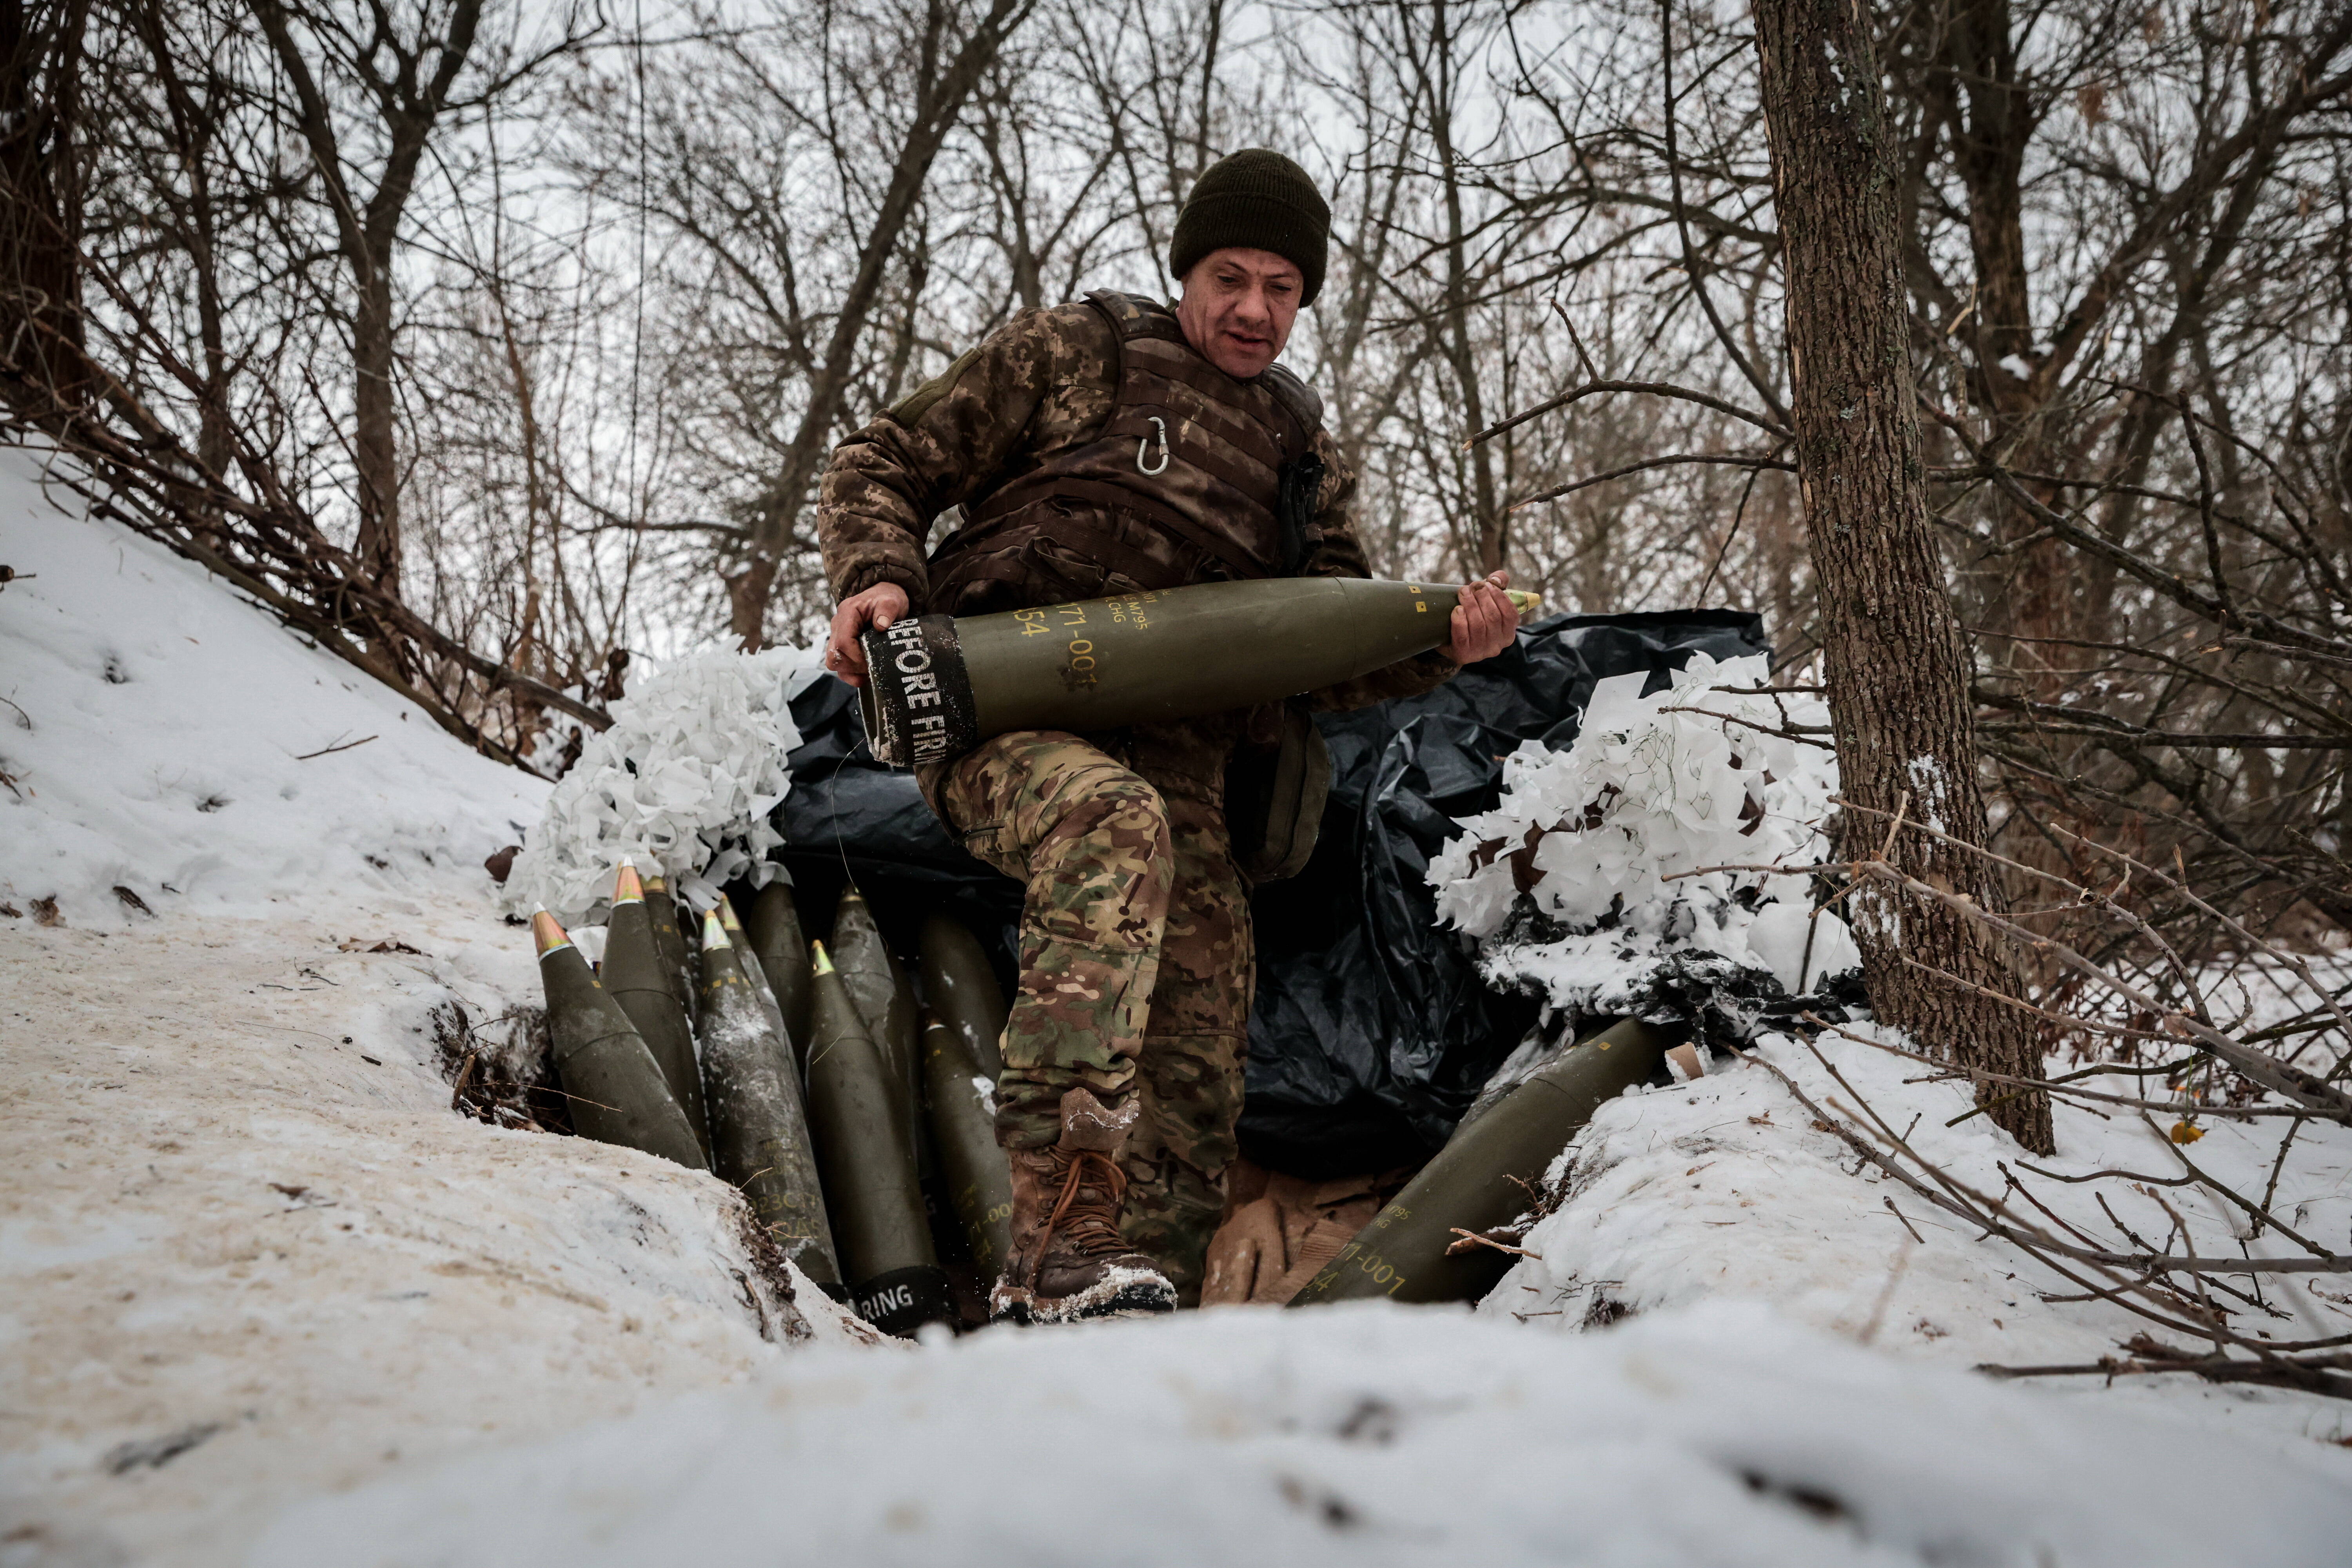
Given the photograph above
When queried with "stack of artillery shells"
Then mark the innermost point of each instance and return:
(819, 1127)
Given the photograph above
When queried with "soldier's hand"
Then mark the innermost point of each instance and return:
(1485, 621)
(876, 606)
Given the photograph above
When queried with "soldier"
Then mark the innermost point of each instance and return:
(1101, 448)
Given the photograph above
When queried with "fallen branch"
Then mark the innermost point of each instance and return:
(331, 750)
(2311, 1374)
(1471, 1238)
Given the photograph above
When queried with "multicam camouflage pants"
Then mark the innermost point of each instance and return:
(1135, 960)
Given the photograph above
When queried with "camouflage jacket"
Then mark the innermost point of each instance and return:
(1043, 385)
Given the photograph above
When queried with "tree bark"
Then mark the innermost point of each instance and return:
(40, 207)
(1489, 542)
(375, 451)
(1897, 673)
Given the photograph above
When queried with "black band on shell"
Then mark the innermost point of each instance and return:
(904, 1300)
(918, 697)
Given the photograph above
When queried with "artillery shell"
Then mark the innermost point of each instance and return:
(937, 685)
(759, 1129)
(961, 985)
(612, 1083)
(963, 1129)
(1401, 1254)
(771, 920)
(669, 940)
(634, 977)
(753, 973)
(880, 1230)
(878, 985)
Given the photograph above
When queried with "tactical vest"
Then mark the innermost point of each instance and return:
(1194, 477)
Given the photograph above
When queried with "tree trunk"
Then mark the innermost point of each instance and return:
(1897, 678)
(375, 433)
(40, 207)
(1490, 546)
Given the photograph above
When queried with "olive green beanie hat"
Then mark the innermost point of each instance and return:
(1260, 200)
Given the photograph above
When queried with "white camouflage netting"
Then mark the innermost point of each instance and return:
(1654, 786)
(683, 780)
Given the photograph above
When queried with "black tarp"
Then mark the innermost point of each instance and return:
(1371, 1032)
(849, 817)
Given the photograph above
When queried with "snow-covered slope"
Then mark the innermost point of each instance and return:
(249, 1255)
(247, 1252)
(160, 734)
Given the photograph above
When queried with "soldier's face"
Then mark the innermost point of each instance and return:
(1238, 306)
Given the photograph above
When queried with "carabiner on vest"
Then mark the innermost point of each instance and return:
(1144, 445)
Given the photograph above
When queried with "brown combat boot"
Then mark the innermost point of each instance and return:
(1068, 1260)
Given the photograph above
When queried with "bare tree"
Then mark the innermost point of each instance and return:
(351, 287)
(369, 88)
(888, 90)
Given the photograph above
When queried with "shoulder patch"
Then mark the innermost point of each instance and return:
(909, 410)
(1134, 315)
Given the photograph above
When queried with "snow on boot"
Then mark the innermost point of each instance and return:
(1068, 1260)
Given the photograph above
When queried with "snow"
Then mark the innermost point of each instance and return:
(264, 1299)
(1362, 1434)
(159, 732)
(683, 782)
(1723, 1186)
(1931, 791)
(221, 1217)
(1835, 1424)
